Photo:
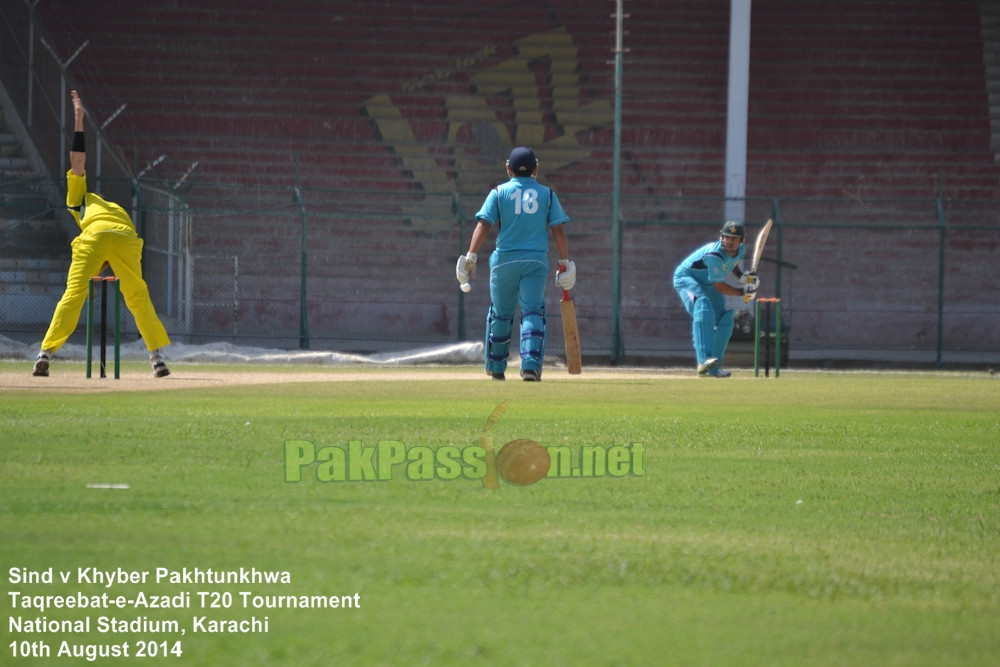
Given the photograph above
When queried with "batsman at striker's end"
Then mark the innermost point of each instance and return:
(700, 281)
(107, 236)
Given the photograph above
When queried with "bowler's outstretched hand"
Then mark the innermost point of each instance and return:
(78, 110)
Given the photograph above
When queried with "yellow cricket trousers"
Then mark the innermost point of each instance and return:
(124, 253)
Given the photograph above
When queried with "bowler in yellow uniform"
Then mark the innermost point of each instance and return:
(107, 236)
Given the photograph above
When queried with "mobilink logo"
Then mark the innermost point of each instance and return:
(519, 462)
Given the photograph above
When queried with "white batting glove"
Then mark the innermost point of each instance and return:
(566, 274)
(748, 279)
(750, 291)
(465, 270)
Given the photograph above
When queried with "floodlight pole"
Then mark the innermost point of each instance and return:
(303, 255)
(738, 109)
(617, 342)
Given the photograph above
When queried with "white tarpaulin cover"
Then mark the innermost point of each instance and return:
(454, 353)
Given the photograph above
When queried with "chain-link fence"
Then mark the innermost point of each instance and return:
(862, 282)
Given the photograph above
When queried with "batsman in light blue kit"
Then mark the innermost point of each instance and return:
(524, 212)
(700, 281)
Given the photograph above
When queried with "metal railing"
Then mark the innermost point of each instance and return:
(901, 284)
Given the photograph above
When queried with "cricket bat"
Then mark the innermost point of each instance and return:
(758, 249)
(571, 335)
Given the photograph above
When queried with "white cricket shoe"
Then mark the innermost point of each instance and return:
(160, 369)
(707, 366)
(41, 368)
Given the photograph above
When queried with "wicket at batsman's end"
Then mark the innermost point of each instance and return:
(768, 332)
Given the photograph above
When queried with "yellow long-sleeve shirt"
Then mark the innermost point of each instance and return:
(93, 213)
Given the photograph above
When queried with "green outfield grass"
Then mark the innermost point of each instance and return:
(820, 519)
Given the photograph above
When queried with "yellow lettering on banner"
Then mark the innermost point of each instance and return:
(513, 78)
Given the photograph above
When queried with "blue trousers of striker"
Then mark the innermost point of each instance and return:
(711, 322)
(516, 279)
